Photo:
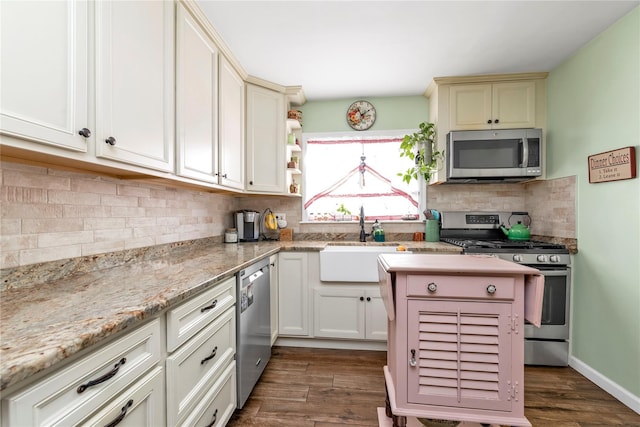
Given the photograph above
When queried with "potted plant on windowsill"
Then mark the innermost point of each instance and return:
(420, 147)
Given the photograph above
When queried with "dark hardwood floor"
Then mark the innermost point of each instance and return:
(305, 387)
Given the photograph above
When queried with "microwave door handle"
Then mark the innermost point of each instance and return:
(525, 152)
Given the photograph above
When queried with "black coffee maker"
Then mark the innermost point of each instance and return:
(248, 225)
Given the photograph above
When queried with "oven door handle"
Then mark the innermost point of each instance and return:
(562, 272)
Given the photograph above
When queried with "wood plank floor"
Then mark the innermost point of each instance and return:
(305, 387)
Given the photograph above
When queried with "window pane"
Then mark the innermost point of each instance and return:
(353, 169)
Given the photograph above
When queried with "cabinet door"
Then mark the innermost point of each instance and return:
(44, 71)
(140, 405)
(265, 140)
(134, 82)
(196, 100)
(293, 300)
(514, 105)
(375, 316)
(338, 312)
(470, 107)
(231, 140)
(462, 352)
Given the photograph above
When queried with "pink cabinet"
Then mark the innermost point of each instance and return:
(456, 336)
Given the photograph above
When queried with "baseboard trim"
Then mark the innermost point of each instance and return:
(614, 389)
(329, 343)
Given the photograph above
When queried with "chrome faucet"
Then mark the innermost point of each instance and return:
(363, 234)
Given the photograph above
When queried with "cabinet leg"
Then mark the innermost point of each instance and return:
(387, 404)
(399, 421)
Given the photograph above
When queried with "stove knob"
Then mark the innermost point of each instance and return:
(554, 258)
(517, 258)
(542, 258)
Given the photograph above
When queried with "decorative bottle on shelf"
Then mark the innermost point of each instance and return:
(293, 188)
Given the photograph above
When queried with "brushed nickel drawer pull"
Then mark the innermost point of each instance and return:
(103, 378)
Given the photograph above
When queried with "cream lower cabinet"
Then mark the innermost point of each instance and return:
(99, 386)
(293, 292)
(349, 312)
(44, 93)
(265, 140)
(202, 332)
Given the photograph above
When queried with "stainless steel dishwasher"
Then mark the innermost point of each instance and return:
(253, 328)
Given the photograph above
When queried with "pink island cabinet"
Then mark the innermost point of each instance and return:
(455, 348)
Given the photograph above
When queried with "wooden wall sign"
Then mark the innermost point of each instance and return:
(612, 165)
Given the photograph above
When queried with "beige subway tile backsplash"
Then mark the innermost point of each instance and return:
(49, 214)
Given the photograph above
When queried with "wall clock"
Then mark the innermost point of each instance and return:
(361, 115)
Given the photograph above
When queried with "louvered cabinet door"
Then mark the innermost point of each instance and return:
(459, 354)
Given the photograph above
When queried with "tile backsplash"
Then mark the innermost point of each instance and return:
(51, 214)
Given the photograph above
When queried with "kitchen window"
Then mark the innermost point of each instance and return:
(346, 170)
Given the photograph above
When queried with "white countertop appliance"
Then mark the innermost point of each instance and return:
(480, 233)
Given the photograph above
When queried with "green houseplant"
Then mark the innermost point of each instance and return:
(420, 147)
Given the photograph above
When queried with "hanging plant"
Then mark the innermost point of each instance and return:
(420, 148)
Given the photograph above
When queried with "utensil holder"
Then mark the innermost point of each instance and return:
(432, 230)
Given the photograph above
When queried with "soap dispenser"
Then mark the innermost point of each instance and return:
(378, 232)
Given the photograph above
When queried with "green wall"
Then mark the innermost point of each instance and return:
(594, 106)
(400, 112)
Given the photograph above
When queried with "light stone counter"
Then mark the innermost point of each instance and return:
(45, 323)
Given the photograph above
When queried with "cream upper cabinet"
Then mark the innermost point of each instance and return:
(135, 82)
(265, 140)
(231, 105)
(493, 106)
(44, 58)
(196, 100)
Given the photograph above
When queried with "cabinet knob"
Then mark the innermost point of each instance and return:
(491, 289)
(111, 140)
(250, 182)
(84, 132)
(224, 175)
(496, 121)
(489, 121)
(432, 287)
(361, 298)
(368, 298)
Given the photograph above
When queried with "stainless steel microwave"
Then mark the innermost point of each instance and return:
(505, 155)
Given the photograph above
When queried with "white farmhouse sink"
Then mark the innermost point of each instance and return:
(351, 263)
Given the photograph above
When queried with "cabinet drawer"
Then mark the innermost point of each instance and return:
(141, 405)
(189, 318)
(197, 364)
(57, 401)
(473, 287)
(218, 405)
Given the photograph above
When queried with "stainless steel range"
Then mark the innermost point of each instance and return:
(480, 233)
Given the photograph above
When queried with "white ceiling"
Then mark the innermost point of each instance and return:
(352, 49)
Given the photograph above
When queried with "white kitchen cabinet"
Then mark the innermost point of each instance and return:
(196, 100)
(493, 106)
(265, 140)
(293, 294)
(44, 79)
(140, 405)
(349, 312)
(201, 342)
(135, 82)
(77, 392)
(192, 369)
(273, 296)
(231, 142)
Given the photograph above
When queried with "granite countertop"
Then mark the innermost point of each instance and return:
(44, 324)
